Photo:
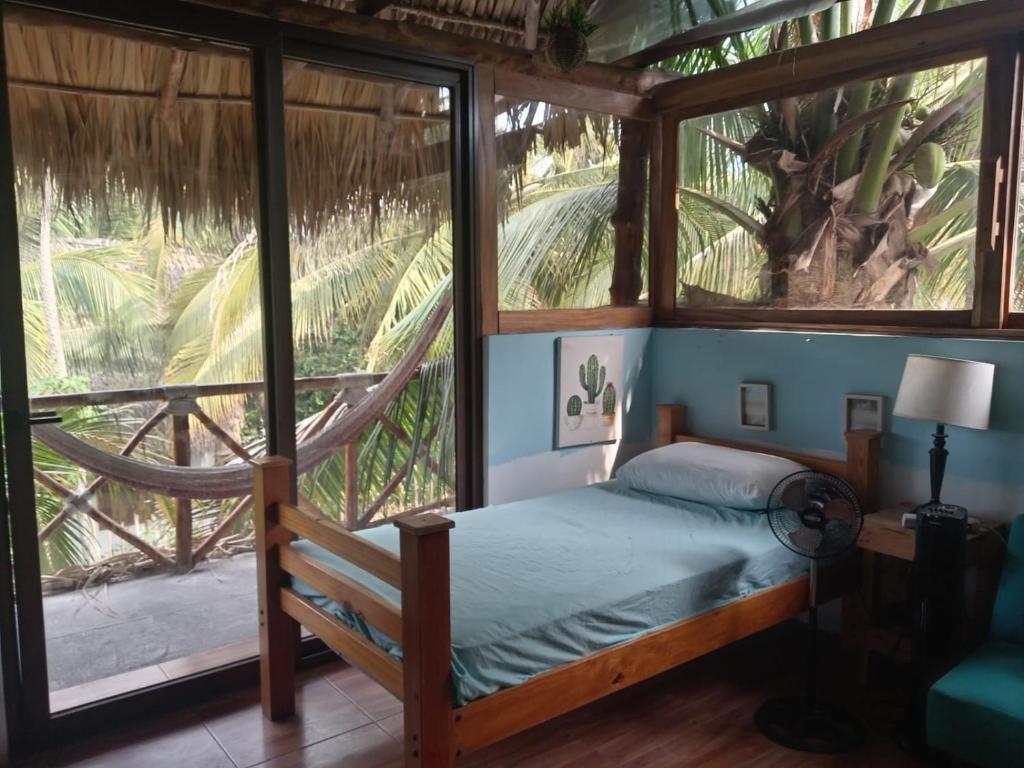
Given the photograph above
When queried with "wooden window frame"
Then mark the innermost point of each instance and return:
(1013, 191)
(913, 45)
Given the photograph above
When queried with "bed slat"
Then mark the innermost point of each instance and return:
(354, 647)
(369, 606)
(365, 554)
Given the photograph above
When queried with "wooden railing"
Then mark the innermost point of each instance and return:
(180, 406)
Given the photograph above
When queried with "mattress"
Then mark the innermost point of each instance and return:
(539, 583)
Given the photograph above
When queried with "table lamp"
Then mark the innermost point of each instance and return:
(949, 392)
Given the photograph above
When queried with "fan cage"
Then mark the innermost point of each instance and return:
(791, 526)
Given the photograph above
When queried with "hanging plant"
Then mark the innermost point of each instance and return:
(568, 29)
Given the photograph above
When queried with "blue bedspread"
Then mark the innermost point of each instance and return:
(542, 582)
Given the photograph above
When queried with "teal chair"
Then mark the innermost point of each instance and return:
(976, 712)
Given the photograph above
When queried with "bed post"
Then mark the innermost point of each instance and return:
(426, 642)
(671, 420)
(863, 453)
(279, 632)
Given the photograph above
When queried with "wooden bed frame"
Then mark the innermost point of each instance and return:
(437, 732)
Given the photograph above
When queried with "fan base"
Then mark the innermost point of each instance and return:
(806, 726)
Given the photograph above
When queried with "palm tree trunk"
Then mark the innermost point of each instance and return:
(825, 102)
(848, 162)
(51, 312)
(876, 165)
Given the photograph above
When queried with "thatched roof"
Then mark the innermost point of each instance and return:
(171, 121)
(498, 21)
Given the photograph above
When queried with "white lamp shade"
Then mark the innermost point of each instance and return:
(946, 390)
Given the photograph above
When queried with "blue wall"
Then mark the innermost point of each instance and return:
(810, 373)
(521, 415)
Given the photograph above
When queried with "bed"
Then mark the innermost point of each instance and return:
(620, 586)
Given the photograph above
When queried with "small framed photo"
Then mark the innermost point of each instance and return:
(755, 406)
(863, 413)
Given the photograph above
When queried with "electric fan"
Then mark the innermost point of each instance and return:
(819, 516)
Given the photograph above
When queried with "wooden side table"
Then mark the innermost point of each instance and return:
(884, 536)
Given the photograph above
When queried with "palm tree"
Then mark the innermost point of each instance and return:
(88, 297)
(856, 197)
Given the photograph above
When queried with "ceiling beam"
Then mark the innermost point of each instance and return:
(917, 43)
(415, 36)
(372, 7)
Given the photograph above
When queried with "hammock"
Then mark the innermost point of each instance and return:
(236, 480)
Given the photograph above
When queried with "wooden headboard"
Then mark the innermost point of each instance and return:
(860, 469)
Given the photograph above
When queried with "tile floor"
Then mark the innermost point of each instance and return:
(699, 715)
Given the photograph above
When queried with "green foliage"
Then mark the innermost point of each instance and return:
(571, 15)
(740, 208)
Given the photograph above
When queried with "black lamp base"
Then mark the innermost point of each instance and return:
(937, 462)
(818, 727)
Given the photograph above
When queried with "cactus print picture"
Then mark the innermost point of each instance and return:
(588, 406)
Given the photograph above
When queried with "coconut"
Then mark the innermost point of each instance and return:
(929, 165)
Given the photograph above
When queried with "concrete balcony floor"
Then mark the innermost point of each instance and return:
(118, 637)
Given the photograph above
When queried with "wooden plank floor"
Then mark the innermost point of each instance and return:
(699, 715)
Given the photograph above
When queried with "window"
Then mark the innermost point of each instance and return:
(631, 34)
(860, 198)
(565, 177)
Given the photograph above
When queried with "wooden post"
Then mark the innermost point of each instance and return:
(628, 218)
(863, 453)
(671, 419)
(664, 225)
(427, 642)
(279, 632)
(182, 447)
(352, 485)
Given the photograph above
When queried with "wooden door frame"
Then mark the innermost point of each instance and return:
(22, 651)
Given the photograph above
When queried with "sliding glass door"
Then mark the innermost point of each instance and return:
(141, 319)
(370, 188)
(223, 247)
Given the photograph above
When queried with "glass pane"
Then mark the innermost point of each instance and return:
(861, 198)
(135, 166)
(723, 32)
(560, 186)
(371, 254)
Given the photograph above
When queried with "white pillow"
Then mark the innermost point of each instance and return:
(710, 474)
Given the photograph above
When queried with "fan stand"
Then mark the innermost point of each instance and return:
(806, 723)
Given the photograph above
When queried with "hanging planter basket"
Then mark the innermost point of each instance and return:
(567, 31)
(567, 48)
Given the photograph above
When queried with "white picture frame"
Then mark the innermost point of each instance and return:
(863, 413)
(754, 406)
(590, 391)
